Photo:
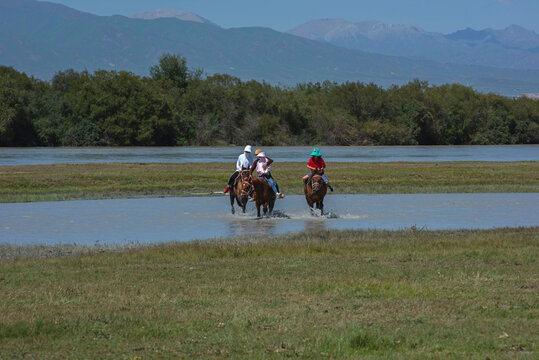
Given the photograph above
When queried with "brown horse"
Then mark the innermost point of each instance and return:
(241, 190)
(264, 195)
(315, 190)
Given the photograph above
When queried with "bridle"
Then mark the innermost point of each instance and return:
(315, 185)
(247, 187)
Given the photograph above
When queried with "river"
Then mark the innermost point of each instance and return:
(156, 220)
(35, 156)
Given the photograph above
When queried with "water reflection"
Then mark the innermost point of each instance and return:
(318, 225)
(250, 226)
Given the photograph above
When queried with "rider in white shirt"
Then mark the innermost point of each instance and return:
(244, 162)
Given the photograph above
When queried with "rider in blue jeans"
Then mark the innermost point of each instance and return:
(262, 167)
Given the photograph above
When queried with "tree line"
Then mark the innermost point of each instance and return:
(176, 105)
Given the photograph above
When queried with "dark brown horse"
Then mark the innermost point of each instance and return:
(241, 190)
(264, 195)
(315, 190)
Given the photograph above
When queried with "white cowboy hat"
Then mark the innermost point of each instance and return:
(247, 149)
(261, 154)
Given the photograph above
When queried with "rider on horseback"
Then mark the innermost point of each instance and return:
(245, 161)
(262, 167)
(316, 163)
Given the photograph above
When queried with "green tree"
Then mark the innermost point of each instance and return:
(173, 69)
(176, 106)
(16, 92)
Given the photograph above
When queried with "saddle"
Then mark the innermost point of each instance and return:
(236, 179)
(265, 180)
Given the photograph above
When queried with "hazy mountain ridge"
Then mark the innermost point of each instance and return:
(514, 47)
(175, 14)
(42, 38)
(512, 37)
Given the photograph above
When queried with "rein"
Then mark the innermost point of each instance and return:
(247, 188)
(247, 185)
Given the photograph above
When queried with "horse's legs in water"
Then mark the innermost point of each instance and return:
(244, 204)
(232, 197)
(271, 204)
(258, 209)
(265, 208)
(320, 205)
(311, 204)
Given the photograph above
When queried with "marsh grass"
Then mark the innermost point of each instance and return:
(116, 180)
(331, 294)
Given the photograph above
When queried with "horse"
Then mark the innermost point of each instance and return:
(241, 190)
(315, 190)
(264, 195)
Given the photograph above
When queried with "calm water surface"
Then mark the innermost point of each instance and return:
(34, 156)
(154, 220)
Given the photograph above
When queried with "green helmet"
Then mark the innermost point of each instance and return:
(316, 152)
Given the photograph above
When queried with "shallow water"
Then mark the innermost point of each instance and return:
(154, 220)
(35, 156)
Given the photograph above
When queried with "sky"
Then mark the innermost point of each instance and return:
(445, 16)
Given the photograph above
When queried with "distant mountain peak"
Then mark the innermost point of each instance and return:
(513, 36)
(515, 27)
(329, 29)
(469, 34)
(176, 14)
(517, 30)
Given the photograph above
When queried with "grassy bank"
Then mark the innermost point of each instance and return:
(405, 294)
(94, 181)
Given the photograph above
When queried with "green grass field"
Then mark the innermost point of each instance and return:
(94, 181)
(466, 294)
(339, 294)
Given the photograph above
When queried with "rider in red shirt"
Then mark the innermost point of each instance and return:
(317, 163)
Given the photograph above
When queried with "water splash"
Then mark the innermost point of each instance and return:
(279, 214)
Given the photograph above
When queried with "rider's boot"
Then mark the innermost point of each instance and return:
(226, 189)
(330, 187)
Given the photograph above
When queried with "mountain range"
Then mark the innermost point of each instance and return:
(514, 47)
(41, 38)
